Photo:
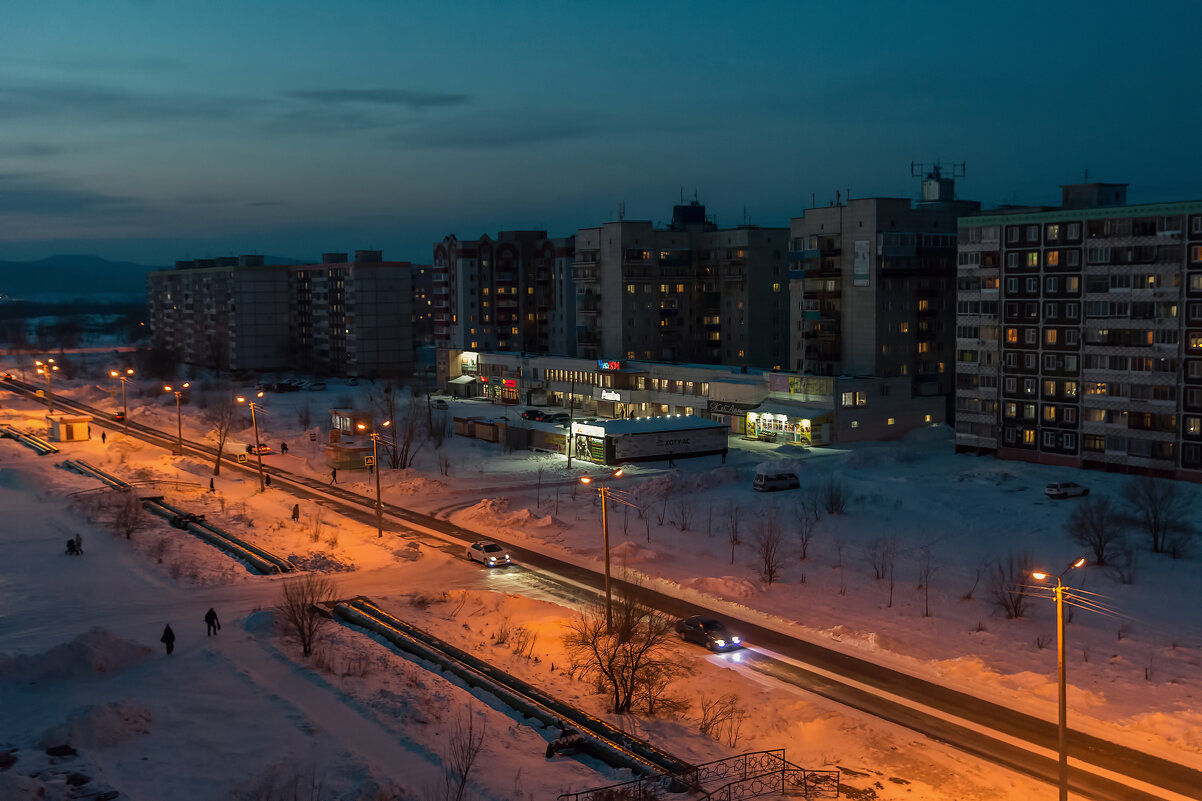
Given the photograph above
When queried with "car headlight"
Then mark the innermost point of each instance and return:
(492, 559)
(720, 643)
(735, 640)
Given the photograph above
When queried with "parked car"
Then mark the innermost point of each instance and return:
(558, 417)
(316, 386)
(119, 416)
(441, 404)
(352, 381)
(9, 376)
(1064, 489)
(769, 482)
(263, 448)
(488, 553)
(535, 415)
(707, 632)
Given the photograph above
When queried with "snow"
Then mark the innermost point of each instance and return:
(80, 661)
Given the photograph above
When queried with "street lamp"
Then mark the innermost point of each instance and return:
(179, 420)
(605, 492)
(1063, 725)
(375, 458)
(124, 407)
(254, 421)
(46, 368)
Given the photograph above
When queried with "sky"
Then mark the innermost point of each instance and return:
(150, 131)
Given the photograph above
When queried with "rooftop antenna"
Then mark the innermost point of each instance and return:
(1086, 176)
(744, 215)
(622, 211)
(682, 195)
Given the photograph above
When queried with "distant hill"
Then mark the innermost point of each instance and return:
(63, 278)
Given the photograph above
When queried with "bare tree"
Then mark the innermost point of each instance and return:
(1161, 510)
(1095, 525)
(683, 503)
(128, 515)
(221, 410)
(733, 513)
(767, 549)
(1008, 584)
(304, 415)
(631, 659)
(834, 495)
(298, 607)
(407, 436)
(882, 553)
(463, 747)
(808, 513)
(926, 572)
(722, 718)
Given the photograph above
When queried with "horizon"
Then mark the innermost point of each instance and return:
(196, 133)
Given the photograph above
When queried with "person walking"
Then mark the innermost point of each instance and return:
(212, 622)
(296, 512)
(283, 447)
(267, 480)
(333, 475)
(211, 489)
(168, 639)
(78, 544)
(103, 436)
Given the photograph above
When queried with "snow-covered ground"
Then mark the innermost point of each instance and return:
(80, 661)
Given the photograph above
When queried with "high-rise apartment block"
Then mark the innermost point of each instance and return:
(512, 293)
(339, 317)
(690, 292)
(873, 287)
(1079, 333)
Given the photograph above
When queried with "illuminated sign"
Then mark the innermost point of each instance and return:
(509, 382)
(606, 364)
(483, 379)
(610, 395)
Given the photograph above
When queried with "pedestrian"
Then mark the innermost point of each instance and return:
(267, 480)
(724, 456)
(103, 436)
(212, 622)
(671, 460)
(168, 639)
(283, 447)
(296, 512)
(78, 544)
(333, 475)
(371, 469)
(211, 489)
(71, 546)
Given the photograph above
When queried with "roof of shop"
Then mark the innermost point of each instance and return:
(639, 425)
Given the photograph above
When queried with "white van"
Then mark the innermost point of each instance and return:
(767, 482)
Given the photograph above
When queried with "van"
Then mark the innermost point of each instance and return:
(768, 482)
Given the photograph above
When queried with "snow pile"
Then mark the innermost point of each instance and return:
(496, 513)
(100, 725)
(630, 553)
(722, 587)
(418, 485)
(97, 651)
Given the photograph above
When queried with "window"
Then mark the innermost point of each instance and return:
(1049, 388)
(1012, 261)
(1031, 336)
(1012, 336)
(1053, 232)
(855, 423)
(924, 347)
(926, 418)
(1070, 441)
(1029, 361)
(1052, 283)
(1028, 386)
(1049, 336)
(1049, 439)
(1033, 259)
(1071, 311)
(848, 399)
(904, 328)
(1011, 409)
(1074, 231)
(1068, 414)
(1029, 436)
(1072, 283)
(1195, 253)
(1032, 233)
(1032, 285)
(924, 305)
(890, 421)
(1011, 285)
(1097, 254)
(1070, 389)
(1193, 426)
(1012, 234)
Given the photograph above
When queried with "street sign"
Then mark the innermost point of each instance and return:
(369, 460)
(313, 436)
(242, 458)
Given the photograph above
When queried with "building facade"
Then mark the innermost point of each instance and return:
(503, 294)
(690, 292)
(339, 317)
(1079, 333)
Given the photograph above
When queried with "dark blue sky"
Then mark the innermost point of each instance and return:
(151, 131)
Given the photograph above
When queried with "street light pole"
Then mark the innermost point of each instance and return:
(179, 420)
(604, 492)
(1062, 727)
(46, 368)
(375, 457)
(254, 421)
(124, 405)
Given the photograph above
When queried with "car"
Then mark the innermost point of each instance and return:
(316, 386)
(708, 632)
(9, 376)
(441, 404)
(769, 482)
(558, 417)
(1064, 489)
(488, 553)
(534, 414)
(352, 381)
(263, 448)
(119, 416)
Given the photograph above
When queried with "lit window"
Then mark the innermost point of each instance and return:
(1050, 336)
(855, 423)
(1033, 259)
(1029, 436)
(1193, 425)
(924, 305)
(1049, 414)
(776, 287)
(926, 418)
(1012, 335)
(890, 421)
(904, 328)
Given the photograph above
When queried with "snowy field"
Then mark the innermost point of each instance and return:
(242, 713)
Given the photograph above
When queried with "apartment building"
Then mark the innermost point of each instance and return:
(339, 317)
(690, 292)
(1079, 333)
(512, 293)
(872, 285)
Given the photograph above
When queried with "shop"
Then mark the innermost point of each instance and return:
(648, 439)
(782, 421)
(500, 390)
(68, 427)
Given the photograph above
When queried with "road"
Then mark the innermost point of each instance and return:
(1013, 739)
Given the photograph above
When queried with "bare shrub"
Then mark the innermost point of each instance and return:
(463, 747)
(734, 513)
(128, 515)
(1122, 565)
(634, 660)
(1094, 525)
(978, 573)
(298, 609)
(1008, 584)
(882, 554)
(833, 493)
(1042, 640)
(284, 783)
(316, 520)
(722, 719)
(505, 628)
(768, 550)
(524, 641)
(683, 504)
(926, 572)
(1161, 510)
(808, 513)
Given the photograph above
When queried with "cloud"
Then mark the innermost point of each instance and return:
(499, 130)
(31, 150)
(31, 193)
(408, 98)
(107, 103)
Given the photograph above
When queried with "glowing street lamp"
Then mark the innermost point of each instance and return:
(605, 492)
(124, 407)
(46, 368)
(179, 420)
(1063, 725)
(254, 421)
(375, 458)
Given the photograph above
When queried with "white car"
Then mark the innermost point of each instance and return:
(1064, 489)
(488, 553)
(439, 403)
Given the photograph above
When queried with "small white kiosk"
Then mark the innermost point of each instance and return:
(63, 427)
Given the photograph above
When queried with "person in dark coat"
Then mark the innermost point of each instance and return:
(71, 546)
(267, 480)
(168, 639)
(333, 475)
(296, 512)
(211, 489)
(283, 447)
(103, 436)
(78, 544)
(212, 622)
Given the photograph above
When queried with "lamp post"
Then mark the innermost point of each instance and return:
(1062, 729)
(605, 491)
(46, 368)
(124, 406)
(375, 458)
(179, 420)
(254, 421)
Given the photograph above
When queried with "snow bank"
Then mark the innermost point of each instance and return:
(722, 587)
(96, 651)
(100, 725)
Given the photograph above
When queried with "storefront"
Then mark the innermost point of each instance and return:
(783, 421)
(500, 390)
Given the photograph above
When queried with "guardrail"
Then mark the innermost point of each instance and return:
(83, 468)
(598, 738)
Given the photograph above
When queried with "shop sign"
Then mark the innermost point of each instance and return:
(611, 395)
(608, 364)
(728, 407)
(509, 382)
